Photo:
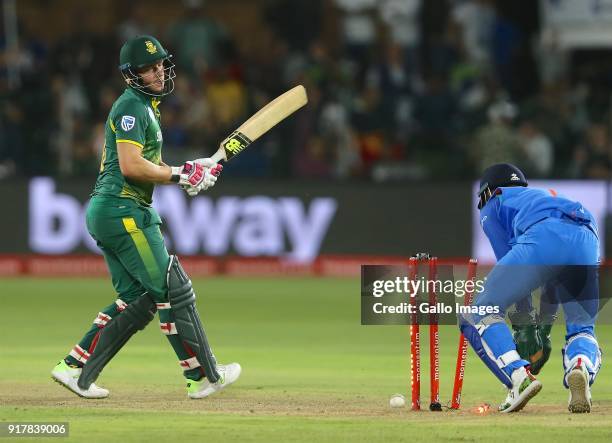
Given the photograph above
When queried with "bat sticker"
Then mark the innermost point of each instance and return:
(234, 144)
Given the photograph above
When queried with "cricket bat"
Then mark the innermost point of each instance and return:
(261, 122)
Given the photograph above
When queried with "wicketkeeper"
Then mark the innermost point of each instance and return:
(127, 230)
(540, 239)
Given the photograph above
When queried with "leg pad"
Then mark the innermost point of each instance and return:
(115, 335)
(187, 320)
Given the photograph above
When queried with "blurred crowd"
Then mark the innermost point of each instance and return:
(398, 90)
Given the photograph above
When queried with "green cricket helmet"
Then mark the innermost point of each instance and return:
(139, 53)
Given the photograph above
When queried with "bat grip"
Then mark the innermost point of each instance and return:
(218, 156)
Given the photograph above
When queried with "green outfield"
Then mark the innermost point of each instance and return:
(311, 372)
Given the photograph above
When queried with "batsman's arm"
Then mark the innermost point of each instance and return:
(138, 168)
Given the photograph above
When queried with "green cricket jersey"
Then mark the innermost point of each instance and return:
(134, 119)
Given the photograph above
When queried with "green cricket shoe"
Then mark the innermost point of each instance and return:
(524, 388)
(68, 376)
(228, 374)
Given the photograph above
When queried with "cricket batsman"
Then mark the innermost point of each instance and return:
(540, 239)
(127, 230)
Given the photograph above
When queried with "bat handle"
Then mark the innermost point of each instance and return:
(219, 155)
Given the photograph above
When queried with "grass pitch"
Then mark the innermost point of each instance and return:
(311, 372)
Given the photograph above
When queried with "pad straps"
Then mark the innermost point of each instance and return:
(114, 335)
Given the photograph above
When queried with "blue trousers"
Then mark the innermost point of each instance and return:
(556, 252)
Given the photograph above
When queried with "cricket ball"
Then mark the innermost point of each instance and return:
(397, 401)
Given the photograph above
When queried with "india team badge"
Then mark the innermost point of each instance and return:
(127, 122)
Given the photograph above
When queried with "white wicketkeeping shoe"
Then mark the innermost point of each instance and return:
(579, 389)
(228, 374)
(524, 388)
(68, 376)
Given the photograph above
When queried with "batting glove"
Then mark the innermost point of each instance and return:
(212, 171)
(190, 174)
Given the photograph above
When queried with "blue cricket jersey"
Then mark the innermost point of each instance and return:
(513, 210)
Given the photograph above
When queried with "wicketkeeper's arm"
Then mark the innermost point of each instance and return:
(532, 330)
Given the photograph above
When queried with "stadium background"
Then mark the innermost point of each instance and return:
(409, 100)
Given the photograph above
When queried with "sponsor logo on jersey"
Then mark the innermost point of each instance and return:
(127, 122)
(159, 136)
(151, 49)
(483, 220)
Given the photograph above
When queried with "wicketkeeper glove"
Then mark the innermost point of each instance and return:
(527, 337)
(544, 327)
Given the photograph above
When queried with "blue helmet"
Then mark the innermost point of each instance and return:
(497, 176)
